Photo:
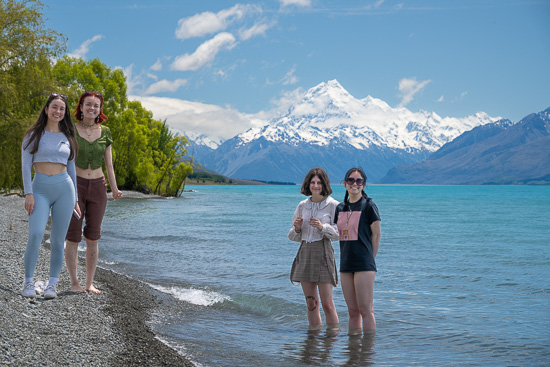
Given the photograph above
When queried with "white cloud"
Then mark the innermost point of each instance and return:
(375, 5)
(205, 23)
(460, 97)
(304, 3)
(290, 78)
(186, 117)
(152, 76)
(157, 66)
(205, 53)
(409, 88)
(165, 86)
(132, 82)
(85, 47)
(283, 103)
(256, 29)
(441, 99)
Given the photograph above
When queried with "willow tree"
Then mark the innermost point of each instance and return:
(26, 50)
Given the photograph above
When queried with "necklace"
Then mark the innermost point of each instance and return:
(348, 214)
(89, 129)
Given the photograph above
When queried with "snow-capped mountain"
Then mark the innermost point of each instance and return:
(501, 153)
(203, 140)
(329, 128)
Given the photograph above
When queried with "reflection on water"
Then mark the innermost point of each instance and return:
(317, 349)
(360, 350)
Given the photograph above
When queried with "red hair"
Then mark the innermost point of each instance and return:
(78, 112)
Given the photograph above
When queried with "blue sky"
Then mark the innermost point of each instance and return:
(219, 67)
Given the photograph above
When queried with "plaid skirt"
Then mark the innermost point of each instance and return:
(315, 263)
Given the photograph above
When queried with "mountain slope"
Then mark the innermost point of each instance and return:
(499, 153)
(329, 128)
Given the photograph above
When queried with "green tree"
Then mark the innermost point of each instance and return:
(146, 154)
(26, 50)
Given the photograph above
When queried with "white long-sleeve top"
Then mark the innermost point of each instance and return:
(324, 211)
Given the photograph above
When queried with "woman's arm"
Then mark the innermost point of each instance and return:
(108, 156)
(26, 167)
(330, 230)
(295, 233)
(375, 237)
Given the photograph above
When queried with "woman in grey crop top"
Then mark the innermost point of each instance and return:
(94, 141)
(49, 147)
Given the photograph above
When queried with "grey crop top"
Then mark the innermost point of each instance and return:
(54, 148)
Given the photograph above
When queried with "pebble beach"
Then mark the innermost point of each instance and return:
(109, 329)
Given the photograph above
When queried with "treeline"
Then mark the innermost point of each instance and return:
(208, 177)
(147, 156)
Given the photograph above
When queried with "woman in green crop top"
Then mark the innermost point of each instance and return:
(94, 148)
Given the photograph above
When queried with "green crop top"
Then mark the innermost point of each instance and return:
(92, 153)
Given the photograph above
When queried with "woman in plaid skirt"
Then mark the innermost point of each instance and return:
(314, 266)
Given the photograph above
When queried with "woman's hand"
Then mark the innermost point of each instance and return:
(298, 224)
(29, 203)
(116, 194)
(316, 223)
(77, 209)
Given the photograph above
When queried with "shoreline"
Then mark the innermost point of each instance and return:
(109, 329)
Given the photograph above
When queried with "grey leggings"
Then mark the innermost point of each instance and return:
(55, 192)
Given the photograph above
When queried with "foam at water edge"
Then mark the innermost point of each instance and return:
(192, 295)
(180, 349)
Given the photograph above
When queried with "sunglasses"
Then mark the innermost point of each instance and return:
(64, 97)
(351, 181)
(92, 93)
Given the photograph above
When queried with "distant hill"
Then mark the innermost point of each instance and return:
(498, 153)
(204, 176)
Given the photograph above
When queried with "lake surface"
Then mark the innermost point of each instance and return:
(463, 276)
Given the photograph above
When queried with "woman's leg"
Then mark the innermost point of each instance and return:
(95, 210)
(325, 291)
(312, 301)
(92, 254)
(364, 290)
(348, 288)
(71, 259)
(37, 225)
(62, 211)
(74, 236)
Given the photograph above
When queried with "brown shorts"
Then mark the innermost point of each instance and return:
(92, 200)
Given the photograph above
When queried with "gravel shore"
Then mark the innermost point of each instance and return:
(109, 329)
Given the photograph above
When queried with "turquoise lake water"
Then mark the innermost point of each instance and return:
(463, 276)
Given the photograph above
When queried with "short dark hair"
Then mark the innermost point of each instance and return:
(325, 182)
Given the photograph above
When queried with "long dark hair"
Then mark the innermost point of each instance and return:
(323, 177)
(363, 193)
(66, 126)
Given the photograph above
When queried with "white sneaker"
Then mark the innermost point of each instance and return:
(28, 290)
(50, 292)
(40, 287)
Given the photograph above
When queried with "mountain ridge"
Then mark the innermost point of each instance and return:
(498, 153)
(331, 129)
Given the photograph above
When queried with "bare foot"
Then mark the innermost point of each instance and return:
(93, 289)
(77, 289)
